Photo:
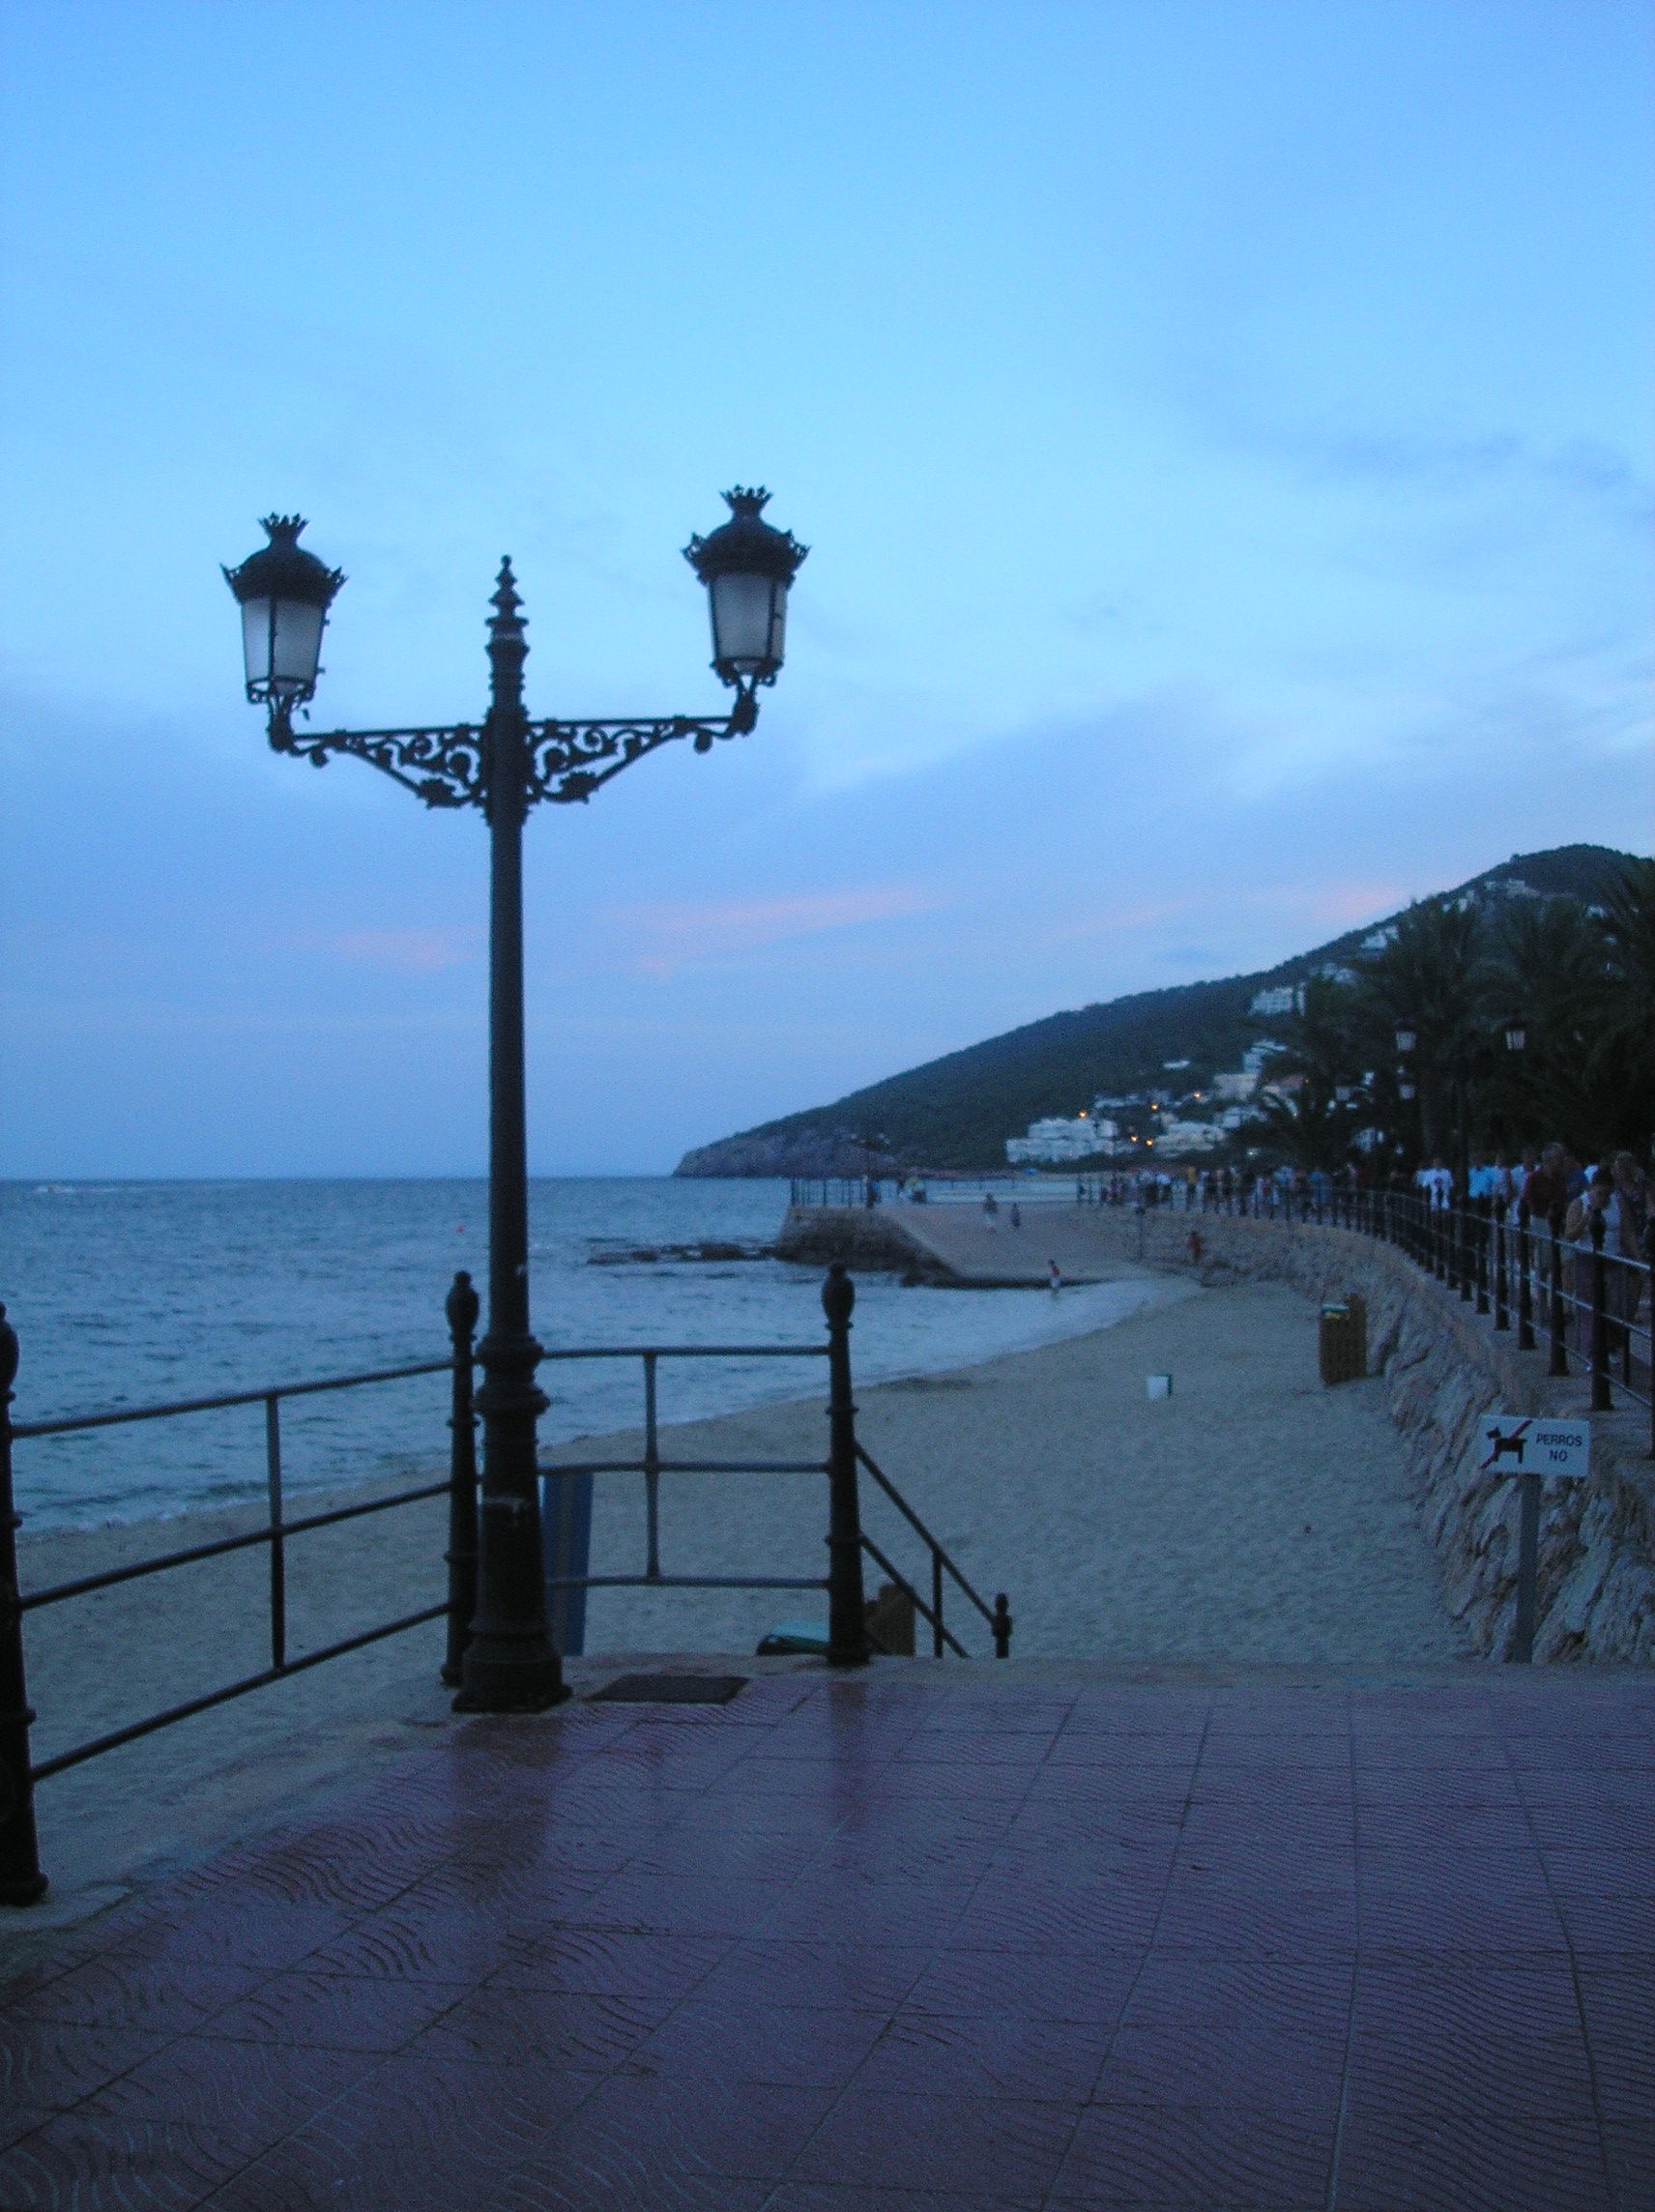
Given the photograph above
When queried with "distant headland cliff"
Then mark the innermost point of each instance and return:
(958, 1111)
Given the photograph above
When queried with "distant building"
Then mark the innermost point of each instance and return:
(1188, 1137)
(1280, 998)
(1172, 1063)
(1235, 1083)
(1053, 1141)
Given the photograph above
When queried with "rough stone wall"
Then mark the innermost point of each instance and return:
(1444, 1367)
(862, 1236)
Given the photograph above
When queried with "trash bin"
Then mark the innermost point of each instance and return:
(1342, 1340)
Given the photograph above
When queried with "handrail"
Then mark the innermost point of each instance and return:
(20, 1879)
(922, 1532)
(118, 1414)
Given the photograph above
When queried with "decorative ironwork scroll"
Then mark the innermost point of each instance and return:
(566, 761)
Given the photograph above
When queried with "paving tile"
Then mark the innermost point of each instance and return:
(978, 2056)
(1270, 1996)
(160, 1997)
(607, 1961)
(541, 2027)
(635, 2141)
(1623, 1922)
(853, 1976)
(820, 1908)
(824, 2196)
(1629, 2146)
(415, 2136)
(250, 2093)
(20, 2120)
(101, 2164)
(54, 2063)
(1013, 1912)
(1089, 1986)
(792, 2047)
(337, 2012)
(999, 2145)
(1225, 2063)
(1195, 2156)
(1397, 2161)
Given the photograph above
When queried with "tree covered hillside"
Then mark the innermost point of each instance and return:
(958, 1111)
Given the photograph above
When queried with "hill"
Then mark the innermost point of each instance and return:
(958, 1111)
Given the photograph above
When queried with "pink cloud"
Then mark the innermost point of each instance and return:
(408, 951)
(669, 933)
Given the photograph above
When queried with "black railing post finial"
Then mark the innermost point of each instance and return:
(1000, 1626)
(21, 1881)
(847, 1627)
(462, 1307)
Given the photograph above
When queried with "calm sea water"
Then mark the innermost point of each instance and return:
(130, 1293)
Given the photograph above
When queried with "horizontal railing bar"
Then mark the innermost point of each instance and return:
(685, 1581)
(687, 1466)
(903, 1584)
(690, 1351)
(903, 1507)
(119, 1737)
(222, 1544)
(58, 1428)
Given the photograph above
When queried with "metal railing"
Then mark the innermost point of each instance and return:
(850, 1638)
(1519, 1271)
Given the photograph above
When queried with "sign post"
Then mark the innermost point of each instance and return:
(1532, 1447)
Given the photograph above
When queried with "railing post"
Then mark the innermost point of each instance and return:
(847, 1627)
(21, 1881)
(1602, 1401)
(1001, 1627)
(1559, 1363)
(937, 1644)
(1480, 1245)
(462, 1309)
(1524, 1281)
(277, 1548)
(1502, 1289)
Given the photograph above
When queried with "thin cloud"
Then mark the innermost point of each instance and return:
(406, 952)
(667, 935)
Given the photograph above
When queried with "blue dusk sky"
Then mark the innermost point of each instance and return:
(1221, 432)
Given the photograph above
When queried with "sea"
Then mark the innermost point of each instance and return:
(135, 1294)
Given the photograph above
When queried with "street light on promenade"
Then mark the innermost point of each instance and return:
(505, 765)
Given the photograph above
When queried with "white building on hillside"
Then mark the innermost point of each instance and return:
(1054, 1141)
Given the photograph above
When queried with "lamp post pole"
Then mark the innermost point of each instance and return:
(507, 766)
(509, 1664)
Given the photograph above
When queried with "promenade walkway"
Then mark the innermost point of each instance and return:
(926, 1938)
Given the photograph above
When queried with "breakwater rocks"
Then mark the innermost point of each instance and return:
(1444, 1368)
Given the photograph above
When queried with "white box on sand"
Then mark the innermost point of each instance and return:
(1157, 1385)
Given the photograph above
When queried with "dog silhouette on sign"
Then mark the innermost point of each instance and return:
(1504, 1445)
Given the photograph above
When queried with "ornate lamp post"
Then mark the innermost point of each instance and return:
(503, 766)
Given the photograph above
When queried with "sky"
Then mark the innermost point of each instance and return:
(1221, 431)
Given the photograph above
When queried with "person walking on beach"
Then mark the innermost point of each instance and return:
(1056, 1273)
(1016, 1215)
(991, 1211)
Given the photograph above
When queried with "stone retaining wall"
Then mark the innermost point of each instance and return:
(1444, 1367)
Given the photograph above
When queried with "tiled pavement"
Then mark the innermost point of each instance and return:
(923, 1940)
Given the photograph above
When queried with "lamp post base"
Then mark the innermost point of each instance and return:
(510, 1686)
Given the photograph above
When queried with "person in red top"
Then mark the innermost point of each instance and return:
(1548, 1189)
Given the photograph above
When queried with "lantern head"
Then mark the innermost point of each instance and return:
(284, 595)
(749, 568)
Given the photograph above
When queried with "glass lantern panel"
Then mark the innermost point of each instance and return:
(741, 621)
(255, 641)
(296, 646)
(779, 624)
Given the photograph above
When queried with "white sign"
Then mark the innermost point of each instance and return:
(1515, 1444)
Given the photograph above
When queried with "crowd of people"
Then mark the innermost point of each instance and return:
(1547, 1189)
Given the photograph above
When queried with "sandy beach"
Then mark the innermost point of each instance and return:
(1251, 1518)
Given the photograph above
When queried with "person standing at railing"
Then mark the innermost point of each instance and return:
(1635, 1240)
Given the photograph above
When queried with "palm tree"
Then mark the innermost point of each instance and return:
(1432, 979)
